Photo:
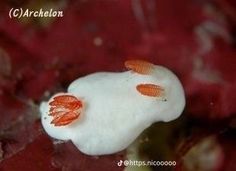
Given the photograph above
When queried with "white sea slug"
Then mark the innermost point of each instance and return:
(104, 112)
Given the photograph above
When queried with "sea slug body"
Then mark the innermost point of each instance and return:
(104, 112)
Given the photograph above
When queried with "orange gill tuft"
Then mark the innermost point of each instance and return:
(64, 109)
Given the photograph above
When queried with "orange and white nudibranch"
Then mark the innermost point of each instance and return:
(103, 113)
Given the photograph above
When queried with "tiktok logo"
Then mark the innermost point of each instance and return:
(120, 163)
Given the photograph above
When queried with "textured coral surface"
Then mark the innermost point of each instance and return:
(41, 56)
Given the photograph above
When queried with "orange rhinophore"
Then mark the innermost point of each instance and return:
(64, 109)
(150, 90)
(139, 66)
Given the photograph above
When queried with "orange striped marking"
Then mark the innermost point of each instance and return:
(151, 90)
(139, 66)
